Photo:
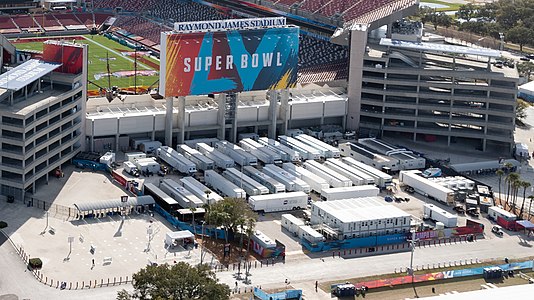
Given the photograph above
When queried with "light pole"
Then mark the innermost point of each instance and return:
(410, 272)
(202, 244)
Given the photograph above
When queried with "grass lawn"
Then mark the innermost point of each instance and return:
(99, 46)
(450, 6)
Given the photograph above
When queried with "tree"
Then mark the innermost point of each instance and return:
(180, 281)
(499, 173)
(467, 12)
(525, 68)
(520, 35)
(509, 180)
(525, 185)
(521, 111)
(515, 189)
(229, 213)
(531, 198)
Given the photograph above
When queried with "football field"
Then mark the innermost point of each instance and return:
(121, 61)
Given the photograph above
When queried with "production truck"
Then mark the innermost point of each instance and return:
(176, 160)
(356, 180)
(240, 156)
(223, 186)
(201, 191)
(264, 154)
(332, 177)
(329, 151)
(251, 186)
(437, 214)
(184, 197)
(291, 182)
(221, 160)
(278, 202)
(287, 154)
(349, 192)
(316, 183)
(366, 178)
(269, 182)
(149, 146)
(130, 168)
(134, 155)
(307, 152)
(201, 162)
(381, 179)
(147, 165)
(426, 187)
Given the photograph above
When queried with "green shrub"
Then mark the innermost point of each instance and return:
(3, 224)
(35, 263)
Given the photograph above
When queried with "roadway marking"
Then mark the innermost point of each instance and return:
(119, 54)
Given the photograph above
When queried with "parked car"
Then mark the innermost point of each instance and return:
(473, 212)
(459, 209)
(497, 229)
(388, 198)
(408, 189)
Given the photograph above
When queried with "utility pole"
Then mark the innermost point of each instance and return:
(411, 263)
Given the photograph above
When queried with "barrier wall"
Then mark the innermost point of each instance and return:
(365, 242)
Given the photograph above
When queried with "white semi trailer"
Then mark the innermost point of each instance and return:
(316, 183)
(381, 179)
(292, 183)
(368, 179)
(176, 160)
(332, 177)
(251, 186)
(269, 182)
(285, 152)
(349, 192)
(264, 154)
(240, 156)
(278, 202)
(328, 151)
(221, 160)
(426, 187)
(202, 162)
(201, 191)
(222, 185)
(184, 197)
(437, 214)
(306, 151)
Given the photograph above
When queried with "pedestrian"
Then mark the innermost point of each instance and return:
(433, 290)
(93, 262)
(236, 284)
(316, 284)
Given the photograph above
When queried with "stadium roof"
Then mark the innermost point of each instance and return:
(22, 75)
(439, 48)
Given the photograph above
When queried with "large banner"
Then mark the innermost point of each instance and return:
(68, 54)
(201, 63)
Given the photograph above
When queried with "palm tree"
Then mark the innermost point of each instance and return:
(510, 179)
(499, 173)
(531, 198)
(207, 206)
(525, 185)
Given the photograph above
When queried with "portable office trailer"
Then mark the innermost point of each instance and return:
(262, 152)
(437, 214)
(149, 147)
(381, 179)
(251, 186)
(269, 182)
(329, 151)
(263, 241)
(162, 199)
(240, 156)
(366, 178)
(309, 234)
(307, 152)
(221, 160)
(495, 212)
(316, 183)
(349, 192)
(176, 160)
(147, 165)
(199, 190)
(286, 153)
(134, 155)
(356, 180)
(332, 177)
(291, 223)
(222, 185)
(185, 198)
(427, 187)
(278, 202)
(202, 162)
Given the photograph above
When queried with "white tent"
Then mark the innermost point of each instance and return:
(179, 236)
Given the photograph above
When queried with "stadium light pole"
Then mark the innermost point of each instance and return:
(411, 263)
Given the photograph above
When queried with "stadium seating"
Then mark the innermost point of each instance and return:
(48, 22)
(141, 27)
(7, 25)
(314, 52)
(184, 11)
(287, 2)
(26, 22)
(130, 5)
(69, 21)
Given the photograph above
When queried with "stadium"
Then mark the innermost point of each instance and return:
(108, 75)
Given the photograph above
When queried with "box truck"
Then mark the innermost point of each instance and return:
(130, 168)
(437, 214)
(278, 202)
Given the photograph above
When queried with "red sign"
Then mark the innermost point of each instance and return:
(121, 180)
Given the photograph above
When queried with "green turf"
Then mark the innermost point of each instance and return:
(451, 5)
(97, 61)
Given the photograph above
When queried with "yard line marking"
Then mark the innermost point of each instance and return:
(119, 54)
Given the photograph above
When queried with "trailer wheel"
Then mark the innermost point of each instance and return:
(293, 208)
(298, 207)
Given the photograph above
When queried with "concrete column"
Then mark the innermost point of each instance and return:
(221, 120)
(168, 121)
(284, 110)
(181, 119)
(358, 42)
(117, 134)
(92, 146)
(83, 100)
(273, 105)
(153, 137)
